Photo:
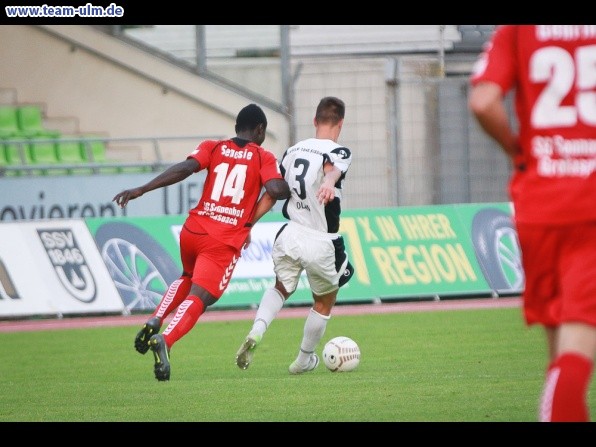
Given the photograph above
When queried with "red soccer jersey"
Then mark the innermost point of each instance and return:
(236, 173)
(553, 71)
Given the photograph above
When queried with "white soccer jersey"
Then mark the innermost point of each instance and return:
(302, 167)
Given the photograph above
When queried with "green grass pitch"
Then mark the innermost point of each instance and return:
(439, 366)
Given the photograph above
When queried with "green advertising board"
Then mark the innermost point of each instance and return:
(434, 251)
(397, 253)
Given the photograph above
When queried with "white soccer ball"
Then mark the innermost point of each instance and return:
(341, 354)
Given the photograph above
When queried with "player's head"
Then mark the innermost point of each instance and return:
(251, 124)
(331, 110)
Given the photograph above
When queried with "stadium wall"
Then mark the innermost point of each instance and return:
(114, 88)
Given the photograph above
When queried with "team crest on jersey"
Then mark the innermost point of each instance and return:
(343, 152)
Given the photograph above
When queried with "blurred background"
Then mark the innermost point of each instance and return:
(87, 111)
(82, 101)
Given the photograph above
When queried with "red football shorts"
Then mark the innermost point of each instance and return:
(211, 262)
(560, 271)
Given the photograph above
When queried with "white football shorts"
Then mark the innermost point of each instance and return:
(321, 255)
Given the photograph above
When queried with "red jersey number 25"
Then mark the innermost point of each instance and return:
(560, 70)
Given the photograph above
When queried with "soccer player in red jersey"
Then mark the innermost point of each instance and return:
(215, 230)
(552, 69)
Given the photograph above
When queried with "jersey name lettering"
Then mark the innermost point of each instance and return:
(565, 32)
(228, 152)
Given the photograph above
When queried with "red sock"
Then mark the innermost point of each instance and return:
(186, 317)
(176, 293)
(564, 398)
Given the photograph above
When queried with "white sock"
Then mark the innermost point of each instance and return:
(314, 329)
(271, 303)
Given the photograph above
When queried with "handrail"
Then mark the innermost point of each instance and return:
(156, 164)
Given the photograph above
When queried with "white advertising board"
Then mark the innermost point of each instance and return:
(53, 267)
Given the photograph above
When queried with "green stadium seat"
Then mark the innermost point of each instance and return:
(5, 162)
(30, 122)
(94, 151)
(98, 152)
(9, 125)
(71, 152)
(19, 154)
(44, 153)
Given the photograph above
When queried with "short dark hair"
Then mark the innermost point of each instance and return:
(330, 110)
(250, 117)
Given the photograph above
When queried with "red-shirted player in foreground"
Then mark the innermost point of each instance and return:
(553, 189)
(215, 230)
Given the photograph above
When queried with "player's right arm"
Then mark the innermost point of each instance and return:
(486, 103)
(493, 76)
(174, 174)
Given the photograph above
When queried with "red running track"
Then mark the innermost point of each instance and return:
(248, 314)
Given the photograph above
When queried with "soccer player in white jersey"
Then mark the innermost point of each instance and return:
(315, 169)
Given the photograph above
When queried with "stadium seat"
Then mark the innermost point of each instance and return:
(19, 154)
(44, 153)
(71, 152)
(9, 126)
(30, 122)
(4, 162)
(94, 151)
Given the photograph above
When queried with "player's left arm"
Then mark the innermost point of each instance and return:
(335, 167)
(275, 189)
(326, 192)
(264, 204)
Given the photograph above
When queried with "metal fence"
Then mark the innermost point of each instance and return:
(409, 128)
(413, 138)
(407, 122)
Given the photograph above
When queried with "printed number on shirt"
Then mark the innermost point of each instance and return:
(229, 184)
(301, 166)
(559, 70)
